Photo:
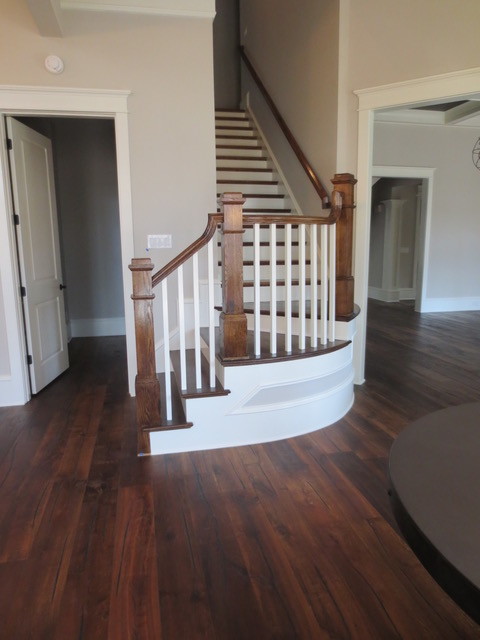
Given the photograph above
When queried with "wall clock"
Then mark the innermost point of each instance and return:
(476, 154)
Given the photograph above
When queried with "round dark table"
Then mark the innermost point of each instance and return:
(435, 492)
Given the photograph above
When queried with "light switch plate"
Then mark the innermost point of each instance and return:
(159, 241)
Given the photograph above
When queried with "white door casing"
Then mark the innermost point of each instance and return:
(31, 166)
(455, 85)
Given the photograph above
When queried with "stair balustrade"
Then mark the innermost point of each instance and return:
(299, 302)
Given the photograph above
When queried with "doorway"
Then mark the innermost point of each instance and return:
(401, 208)
(87, 230)
(452, 86)
(28, 101)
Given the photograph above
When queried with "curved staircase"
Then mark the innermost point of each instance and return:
(256, 316)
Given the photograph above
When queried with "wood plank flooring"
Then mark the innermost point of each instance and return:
(289, 540)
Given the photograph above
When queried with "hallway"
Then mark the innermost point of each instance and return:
(293, 539)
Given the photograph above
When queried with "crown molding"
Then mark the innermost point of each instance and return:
(161, 8)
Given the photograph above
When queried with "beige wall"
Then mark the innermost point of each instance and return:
(167, 64)
(453, 264)
(226, 56)
(387, 41)
(295, 50)
(87, 201)
(4, 355)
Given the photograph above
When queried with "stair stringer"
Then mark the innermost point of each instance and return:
(268, 401)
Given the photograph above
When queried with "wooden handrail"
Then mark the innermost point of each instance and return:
(314, 179)
(214, 219)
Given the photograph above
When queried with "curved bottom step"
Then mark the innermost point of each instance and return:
(269, 401)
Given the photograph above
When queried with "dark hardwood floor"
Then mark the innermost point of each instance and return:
(293, 539)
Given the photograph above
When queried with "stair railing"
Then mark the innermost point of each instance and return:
(322, 255)
(150, 414)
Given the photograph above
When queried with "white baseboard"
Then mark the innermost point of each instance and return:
(95, 327)
(432, 305)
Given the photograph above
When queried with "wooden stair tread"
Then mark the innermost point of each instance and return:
(273, 211)
(221, 136)
(248, 307)
(280, 283)
(266, 263)
(233, 128)
(179, 420)
(252, 182)
(244, 169)
(281, 355)
(255, 158)
(192, 391)
(252, 147)
(265, 243)
(280, 196)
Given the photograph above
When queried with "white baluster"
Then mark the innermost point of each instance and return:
(273, 289)
(324, 281)
(256, 286)
(288, 288)
(166, 351)
(211, 315)
(331, 283)
(302, 277)
(196, 322)
(181, 329)
(314, 290)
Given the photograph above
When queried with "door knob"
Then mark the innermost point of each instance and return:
(63, 286)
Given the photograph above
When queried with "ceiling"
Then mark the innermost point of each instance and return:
(464, 111)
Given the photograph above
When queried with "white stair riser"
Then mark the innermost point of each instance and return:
(233, 176)
(248, 293)
(266, 203)
(249, 188)
(243, 122)
(230, 113)
(237, 141)
(241, 133)
(248, 272)
(228, 151)
(343, 330)
(246, 163)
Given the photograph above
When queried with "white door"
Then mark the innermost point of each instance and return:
(33, 188)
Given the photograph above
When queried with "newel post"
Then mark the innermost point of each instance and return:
(147, 388)
(233, 321)
(345, 183)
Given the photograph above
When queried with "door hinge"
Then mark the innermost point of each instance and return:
(29, 359)
(16, 219)
(9, 144)
(23, 292)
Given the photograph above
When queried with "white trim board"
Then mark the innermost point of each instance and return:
(52, 101)
(158, 8)
(419, 90)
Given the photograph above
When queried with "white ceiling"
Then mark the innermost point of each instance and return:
(460, 115)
